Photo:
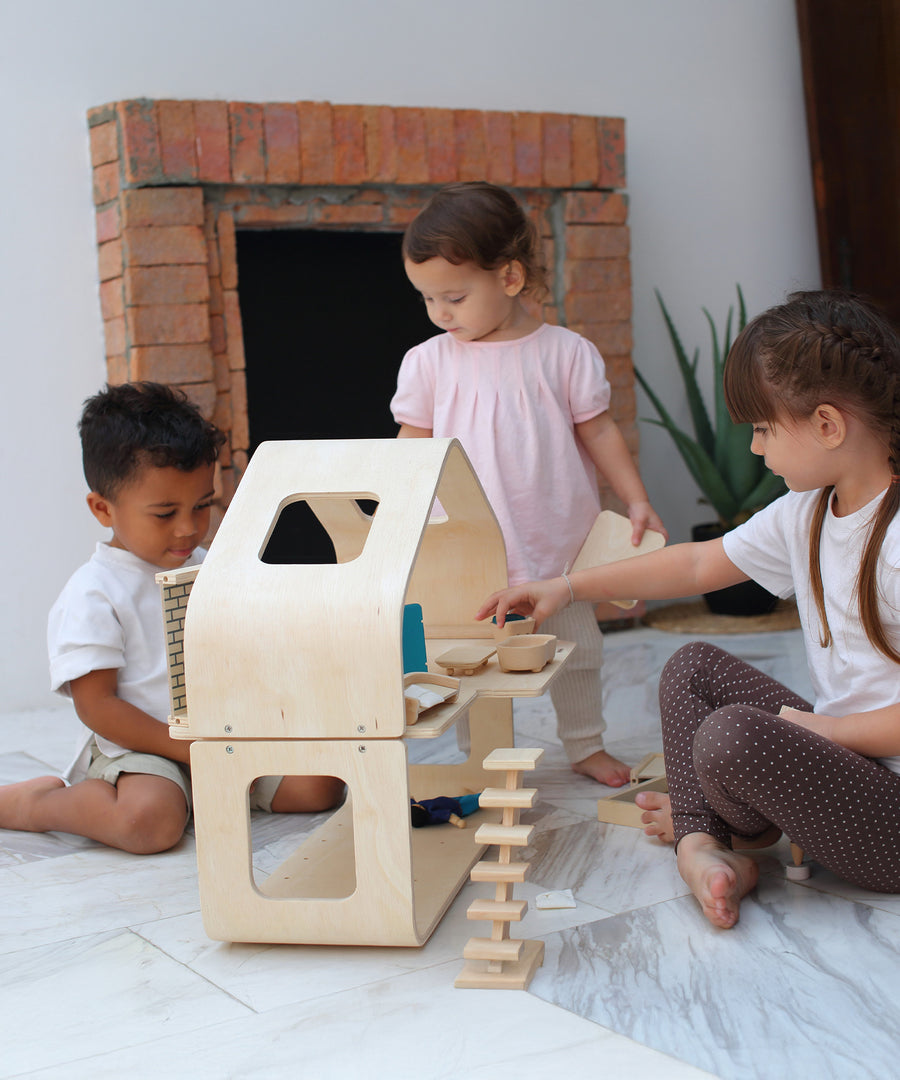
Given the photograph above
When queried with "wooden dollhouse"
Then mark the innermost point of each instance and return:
(298, 670)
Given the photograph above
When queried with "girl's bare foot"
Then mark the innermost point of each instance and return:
(604, 768)
(657, 816)
(18, 802)
(719, 877)
(657, 819)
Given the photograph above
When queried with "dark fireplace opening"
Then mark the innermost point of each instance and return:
(327, 317)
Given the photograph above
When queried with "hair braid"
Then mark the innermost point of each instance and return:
(827, 347)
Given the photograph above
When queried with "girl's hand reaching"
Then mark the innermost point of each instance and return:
(643, 517)
(538, 598)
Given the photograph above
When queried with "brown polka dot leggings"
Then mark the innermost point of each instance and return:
(734, 766)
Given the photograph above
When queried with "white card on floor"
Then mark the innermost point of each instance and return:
(562, 898)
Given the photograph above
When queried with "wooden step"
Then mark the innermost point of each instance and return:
(518, 798)
(498, 871)
(483, 948)
(476, 974)
(497, 910)
(512, 758)
(508, 835)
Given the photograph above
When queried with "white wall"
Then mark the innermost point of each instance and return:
(718, 176)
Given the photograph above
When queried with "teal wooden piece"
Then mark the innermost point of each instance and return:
(414, 656)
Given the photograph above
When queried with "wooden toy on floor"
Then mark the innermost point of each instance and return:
(650, 767)
(297, 670)
(501, 962)
(798, 870)
(621, 809)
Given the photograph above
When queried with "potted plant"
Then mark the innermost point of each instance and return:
(734, 481)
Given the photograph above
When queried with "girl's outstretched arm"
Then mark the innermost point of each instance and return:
(681, 570)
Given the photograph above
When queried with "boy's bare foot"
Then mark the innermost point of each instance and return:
(719, 877)
(18, 802)
(604, 768)
(657, 816)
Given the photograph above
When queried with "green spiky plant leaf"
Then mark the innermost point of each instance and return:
(734, 481)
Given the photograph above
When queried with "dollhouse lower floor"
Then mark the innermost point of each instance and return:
(106, 969)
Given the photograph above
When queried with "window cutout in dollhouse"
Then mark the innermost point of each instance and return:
(271, 835)
(320, 529)
(437, 515)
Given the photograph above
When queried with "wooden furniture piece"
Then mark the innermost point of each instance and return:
(651, 767)
(526, 652)
(501, 962)
(465, 659)
(621, 808)
(797, 869)
(297, 670)
(439, 686)
(609, 541)
(512, 627)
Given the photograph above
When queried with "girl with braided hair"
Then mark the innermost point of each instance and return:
(818, 377)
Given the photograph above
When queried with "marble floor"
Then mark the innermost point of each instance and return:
(107, 972)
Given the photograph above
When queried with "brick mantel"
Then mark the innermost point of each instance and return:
(173, 180)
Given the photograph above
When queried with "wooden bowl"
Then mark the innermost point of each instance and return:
(526, 652)
(515, 624)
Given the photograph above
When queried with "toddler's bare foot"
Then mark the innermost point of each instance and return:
(657, 816)
(719, 877)
(18, 801)
(604, 768)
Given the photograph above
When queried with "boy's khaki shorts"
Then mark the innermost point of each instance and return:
(110, 768)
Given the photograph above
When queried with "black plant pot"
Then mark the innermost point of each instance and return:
(745, 598)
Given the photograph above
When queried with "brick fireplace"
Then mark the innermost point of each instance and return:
(174, 180)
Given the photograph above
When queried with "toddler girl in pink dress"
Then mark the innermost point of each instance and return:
(530, 404)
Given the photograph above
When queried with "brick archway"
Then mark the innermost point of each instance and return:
(174, 180)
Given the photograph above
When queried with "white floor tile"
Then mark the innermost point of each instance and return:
(100, 949)
(415, 1027)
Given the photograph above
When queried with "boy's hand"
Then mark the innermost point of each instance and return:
(643, 517)
(538, 598)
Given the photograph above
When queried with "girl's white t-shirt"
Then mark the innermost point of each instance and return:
(772, 547)
(514, 405)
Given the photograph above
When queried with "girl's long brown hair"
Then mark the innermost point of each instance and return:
(837, 348)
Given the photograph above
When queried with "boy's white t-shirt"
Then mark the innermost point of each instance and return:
(772, 547)
(109, 615)
(513, 405)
